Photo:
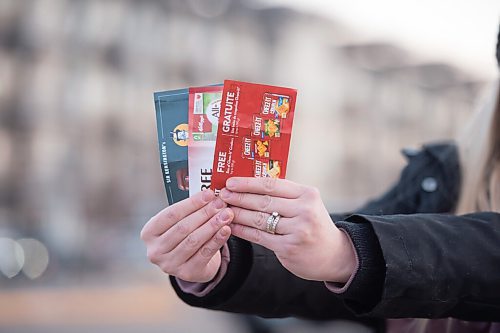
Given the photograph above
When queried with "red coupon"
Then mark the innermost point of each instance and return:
(253, 136)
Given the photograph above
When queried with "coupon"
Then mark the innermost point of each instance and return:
(204, 110)
(254, 132)
(173, 134)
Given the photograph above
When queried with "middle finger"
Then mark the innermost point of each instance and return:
(261, 203)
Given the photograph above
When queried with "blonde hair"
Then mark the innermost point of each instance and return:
(479, 149)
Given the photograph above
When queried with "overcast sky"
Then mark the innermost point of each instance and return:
(462, 32)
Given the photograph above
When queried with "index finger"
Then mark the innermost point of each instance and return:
(176, 212)
(266, 185)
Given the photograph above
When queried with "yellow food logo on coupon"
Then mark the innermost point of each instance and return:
(261, 147)
(274, 169)
(272, 128)
(180, 135)
(283, 108)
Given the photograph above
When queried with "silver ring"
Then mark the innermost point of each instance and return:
(272, 222)
(275, 223)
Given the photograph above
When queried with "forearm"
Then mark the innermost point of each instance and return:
(438, 265)
(269, 290)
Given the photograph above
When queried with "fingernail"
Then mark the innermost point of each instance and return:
(224, 231)
(225, 215)
(231, 182)
(225, 194)
(218, 203)
(207, 195)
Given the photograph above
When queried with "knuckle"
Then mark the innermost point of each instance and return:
(166, 267)
(265, 202)
(240, 198)
(192, 241)
(303, 211)
(302, 235)
(311, 216)
(255, 236)
(207, 252)
(172, 215)
(260, 220)
(182, 229)
(215, 222)
(206, 214)
(198, 201)
(311, 192)
(185, 275)
(269, 184)
(307, 212)
(153, 255)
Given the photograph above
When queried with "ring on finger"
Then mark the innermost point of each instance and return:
(272, 222)
(275, 223)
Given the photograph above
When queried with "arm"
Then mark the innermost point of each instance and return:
(437, 266)
(367, 283)
(259, 278)
(257, 283)
(356, 292)
(184, 240)
(466, 303)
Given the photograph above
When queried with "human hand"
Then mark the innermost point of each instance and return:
(184, 239)
(307, 242)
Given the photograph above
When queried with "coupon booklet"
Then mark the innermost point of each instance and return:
(204, 109)
(172, 127)
(255, 127)
(208, 134)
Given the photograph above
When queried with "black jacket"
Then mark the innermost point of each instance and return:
(413, 264)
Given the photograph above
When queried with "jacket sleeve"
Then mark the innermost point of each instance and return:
(436, 266)
(256, 283)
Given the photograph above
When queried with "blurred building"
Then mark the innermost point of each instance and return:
(79, 166)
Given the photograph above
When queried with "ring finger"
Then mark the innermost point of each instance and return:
(259, 220)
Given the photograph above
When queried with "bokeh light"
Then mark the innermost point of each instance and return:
(11, 257)
(36, 257)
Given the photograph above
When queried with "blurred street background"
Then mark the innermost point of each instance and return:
(79, 165)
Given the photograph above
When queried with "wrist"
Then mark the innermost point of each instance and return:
(345, 260)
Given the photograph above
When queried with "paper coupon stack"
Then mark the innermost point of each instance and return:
(208, 134)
